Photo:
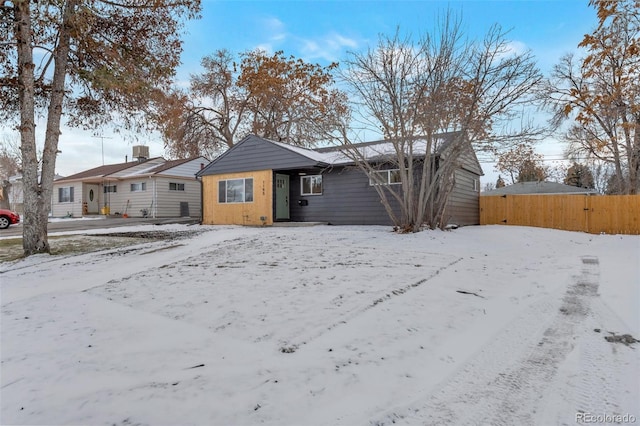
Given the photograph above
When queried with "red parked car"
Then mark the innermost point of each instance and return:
(7, 217)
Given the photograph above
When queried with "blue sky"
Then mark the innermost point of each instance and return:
(324, 31)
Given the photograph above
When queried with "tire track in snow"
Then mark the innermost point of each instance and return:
(600, 390)
(497, 386)
(391, 294)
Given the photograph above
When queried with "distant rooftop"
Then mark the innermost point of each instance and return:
(539, 188)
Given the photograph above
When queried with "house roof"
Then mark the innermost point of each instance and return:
(103, 171)
(131, 169)
(384, 148)
(311, 154)
(257, 153)
(539, 188)
(170, 164)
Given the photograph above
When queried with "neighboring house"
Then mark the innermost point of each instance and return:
(259, 182)
(528, 188)
(151, 187)
(16, 193)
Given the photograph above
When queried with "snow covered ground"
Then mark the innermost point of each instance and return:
(326, 326)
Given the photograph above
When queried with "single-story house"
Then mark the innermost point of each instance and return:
(15, 192)
(152, 187)
(542, 187)
(259, 182)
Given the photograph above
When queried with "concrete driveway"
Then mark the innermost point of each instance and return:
(80, 224)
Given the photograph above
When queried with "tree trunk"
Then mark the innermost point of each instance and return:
(634, 156)
(38, 190)
(34, 233)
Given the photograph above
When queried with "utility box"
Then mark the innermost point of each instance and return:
(141, 152)
(184, 209)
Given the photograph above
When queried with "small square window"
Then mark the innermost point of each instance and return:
(394, 177)
(311, 185)
(136, 187)
(385, 177)
(65, 195)
(235, 191)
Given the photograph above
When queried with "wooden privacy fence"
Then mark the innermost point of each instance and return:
(609, 214)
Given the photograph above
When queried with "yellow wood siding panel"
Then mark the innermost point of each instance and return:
(215, 213)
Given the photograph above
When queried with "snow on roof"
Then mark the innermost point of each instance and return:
(378, 149)
(309, 153)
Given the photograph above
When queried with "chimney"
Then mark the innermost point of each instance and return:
(126, 158)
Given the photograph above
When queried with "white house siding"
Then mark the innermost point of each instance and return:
(168, 202)
(62, 209)
(126, 201)
(16, 194)
(188, 169)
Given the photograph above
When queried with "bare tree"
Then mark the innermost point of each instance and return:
(522, 164)
(10, 159)
(90, 59)
(434, 100)
(273, 96)
(9, 166)
(600, 93)
(489, 186)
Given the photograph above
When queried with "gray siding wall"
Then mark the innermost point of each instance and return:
(347, 199)
(255, 154)
(463, 207)
(469, 161)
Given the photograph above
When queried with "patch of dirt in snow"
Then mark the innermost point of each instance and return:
(11, 250)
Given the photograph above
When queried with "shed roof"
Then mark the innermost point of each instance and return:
(542, 187)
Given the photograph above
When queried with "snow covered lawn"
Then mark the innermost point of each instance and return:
(325, 325)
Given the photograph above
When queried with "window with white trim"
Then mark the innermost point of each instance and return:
(235, 191)
(140, 186)
(109, 188)
(476, 184)
(311, 185)
(386, 177)
(174, 186)
(65, 194)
